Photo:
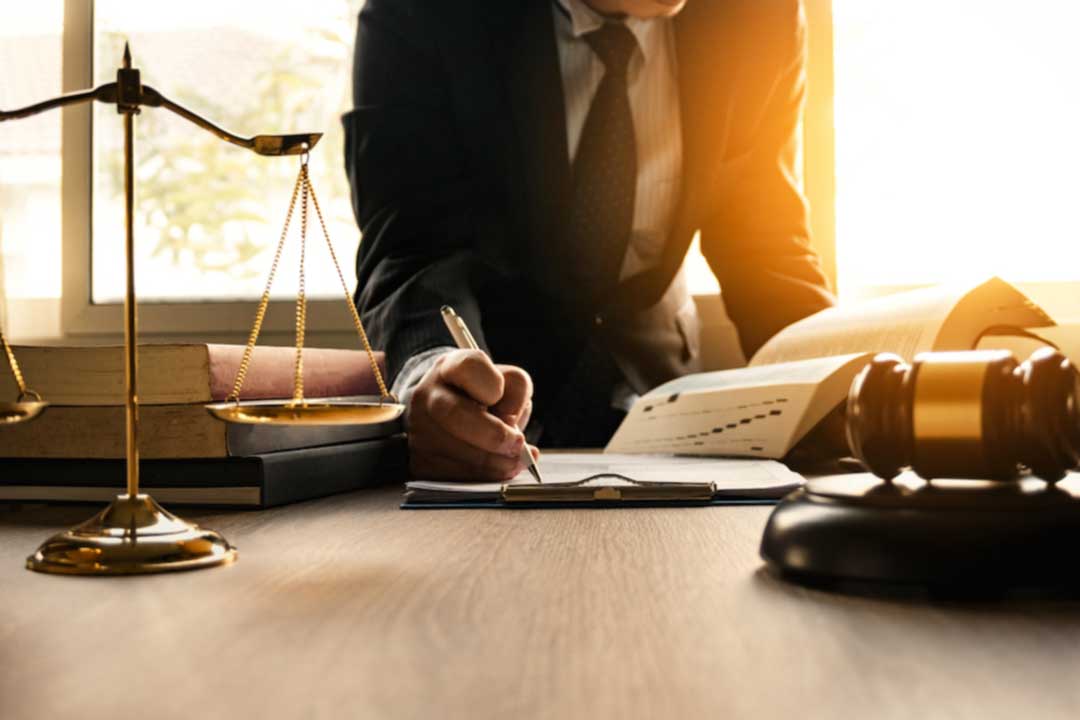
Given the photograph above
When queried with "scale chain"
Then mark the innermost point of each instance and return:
(305, 191)
(384, 393)
(25, 393)
(301, 296)
(264, 302)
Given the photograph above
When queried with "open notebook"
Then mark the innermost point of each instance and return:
(612, 479)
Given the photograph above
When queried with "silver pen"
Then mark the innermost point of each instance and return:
(464, 339)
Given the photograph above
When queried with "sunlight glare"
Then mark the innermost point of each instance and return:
(956, 140)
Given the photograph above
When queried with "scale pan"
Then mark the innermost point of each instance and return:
(17, 412)
(308, 413)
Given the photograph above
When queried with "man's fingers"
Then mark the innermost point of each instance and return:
(455, 431)
(433, 467)
(469, 422)
(516, 396)
(436, 467)
(472, 372)
(437, 454)
(523, 417)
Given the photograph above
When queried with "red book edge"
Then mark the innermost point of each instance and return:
(327, 372)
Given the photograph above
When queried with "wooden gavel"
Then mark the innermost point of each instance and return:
(977, 415)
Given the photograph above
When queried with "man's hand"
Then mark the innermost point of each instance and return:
(466, 419)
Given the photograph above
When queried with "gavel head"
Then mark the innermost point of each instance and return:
(977, 415)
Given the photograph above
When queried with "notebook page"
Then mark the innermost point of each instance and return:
(728, 476)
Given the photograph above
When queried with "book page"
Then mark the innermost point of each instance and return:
(994, 306)
(1021, 346)
(944, 317)
(1066, 338)
(746, 412)
(800, 372)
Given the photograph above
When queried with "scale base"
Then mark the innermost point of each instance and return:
(133, 535)
(949, 538)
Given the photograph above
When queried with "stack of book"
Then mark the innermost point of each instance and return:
(75, 450)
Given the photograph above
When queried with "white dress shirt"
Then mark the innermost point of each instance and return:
(654, 105)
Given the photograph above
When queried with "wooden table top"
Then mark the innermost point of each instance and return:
(350, 607)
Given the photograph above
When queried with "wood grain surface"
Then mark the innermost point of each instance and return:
(349, 607)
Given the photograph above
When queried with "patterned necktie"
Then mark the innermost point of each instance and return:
(605, 169)
(602, 214)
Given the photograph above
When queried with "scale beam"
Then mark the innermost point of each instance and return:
(273, 145)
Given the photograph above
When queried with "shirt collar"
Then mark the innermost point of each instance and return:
(582, 19)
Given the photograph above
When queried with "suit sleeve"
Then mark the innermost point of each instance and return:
(757, 238)
(419, 211)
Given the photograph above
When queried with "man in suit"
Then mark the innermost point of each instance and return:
(541, 166)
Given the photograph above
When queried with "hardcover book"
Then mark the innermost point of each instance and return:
(186, 373)
(802, 374)
(254, 481)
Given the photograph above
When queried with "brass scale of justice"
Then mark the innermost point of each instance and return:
(134, 534)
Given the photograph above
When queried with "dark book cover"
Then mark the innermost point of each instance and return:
(262, 480)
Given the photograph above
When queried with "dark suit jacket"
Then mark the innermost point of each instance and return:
(457, 155)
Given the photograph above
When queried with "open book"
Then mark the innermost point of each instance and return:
(797, 378)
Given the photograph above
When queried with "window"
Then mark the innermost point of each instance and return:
(30, 155)
(954, 152)
(956, 142)
(209, 215)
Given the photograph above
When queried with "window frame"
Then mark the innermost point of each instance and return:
(327, 321)
(819, 141)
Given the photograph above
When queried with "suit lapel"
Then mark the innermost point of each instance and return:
(709, 52)
(540, 178)
(708, 58)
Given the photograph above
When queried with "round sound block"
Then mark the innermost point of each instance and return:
(967, 536)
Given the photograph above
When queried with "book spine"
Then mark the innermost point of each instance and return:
(202, 473)
(81, 376)
(259, 481)
(332, 470)
(178, 374)
(327, 372)
(242, 440)
(97, 432)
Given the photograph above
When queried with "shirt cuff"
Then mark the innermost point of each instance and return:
(414, 370)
